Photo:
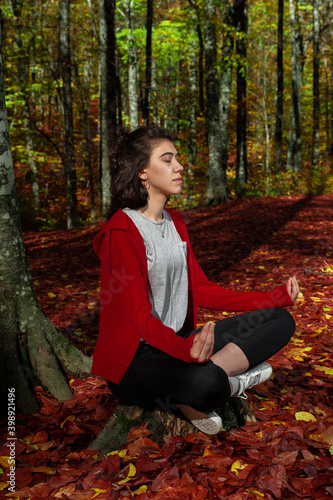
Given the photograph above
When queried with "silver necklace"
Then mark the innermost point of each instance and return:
(163, 228)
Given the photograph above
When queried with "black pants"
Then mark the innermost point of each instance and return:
(156, 379)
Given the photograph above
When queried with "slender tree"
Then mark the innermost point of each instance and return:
(279, 93)
(192, 76)
(68, 156)
(108, 96)
(240, 10)
(226, 81)
(31, 349)
(294, 157)
(132, 69)
(201, 54)
(217, 189)
(316, 102)
(149, 29)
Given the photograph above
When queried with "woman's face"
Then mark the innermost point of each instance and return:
(162, 176)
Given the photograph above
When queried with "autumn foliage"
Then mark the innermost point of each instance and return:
(286, 454)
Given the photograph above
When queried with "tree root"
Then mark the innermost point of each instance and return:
(162, 425)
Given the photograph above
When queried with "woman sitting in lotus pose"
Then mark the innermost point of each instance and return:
(149, 348)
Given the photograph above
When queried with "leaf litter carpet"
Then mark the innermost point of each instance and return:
(285, 454)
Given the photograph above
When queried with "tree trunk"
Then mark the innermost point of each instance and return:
(155, 94)
(84, 92)
(162, 425)
(149, 29)
(200, 55)
(192, 139)
(68, 156)
(31, 349)
(217, 190)
(265, 113)
(240, 10)
(108, 96)
(327, 115)
(294, 157)
(225, 84)
(132, 69)
(279, 94)
(316, 103)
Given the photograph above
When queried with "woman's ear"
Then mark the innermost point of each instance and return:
(143, 175)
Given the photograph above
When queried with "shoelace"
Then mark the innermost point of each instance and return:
(247, 382)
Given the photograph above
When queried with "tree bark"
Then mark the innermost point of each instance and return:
(279, 94)
(31, 349)
(217, 190)
(192, 139)
(240, 10)
(84, 91)
(68, 156)
(327, 114)
(162, 425)
(149, 29)
(226, 83)
(294, 157)
(132, 69)
(108, 96)
(316, 102)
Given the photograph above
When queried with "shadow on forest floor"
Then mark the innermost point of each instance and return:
(225, 235)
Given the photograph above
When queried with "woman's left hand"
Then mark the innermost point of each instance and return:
(293, 288)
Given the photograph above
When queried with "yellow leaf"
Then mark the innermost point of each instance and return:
(325, 369)
(71, 418)
(142, 489)
(305, 416)
(258, 493)
(64, 275)
(237, 466)
(261, 267)
(98, 491)
(51, 295)
(131, 473)
(36, 283)
(328, 316)
(319, 411)
(3, 486)
(121, 453)
(6, 461)
(315, 299)
(207, 452)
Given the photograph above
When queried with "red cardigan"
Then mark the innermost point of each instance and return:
(125, 315)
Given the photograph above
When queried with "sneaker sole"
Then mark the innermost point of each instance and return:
(207, 425)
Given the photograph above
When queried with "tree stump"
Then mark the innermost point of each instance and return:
(163, 425)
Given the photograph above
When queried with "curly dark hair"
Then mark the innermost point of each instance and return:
(130, 154)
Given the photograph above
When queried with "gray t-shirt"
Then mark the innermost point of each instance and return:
(167, 268)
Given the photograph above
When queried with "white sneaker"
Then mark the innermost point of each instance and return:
(254, 376)
(212, 424)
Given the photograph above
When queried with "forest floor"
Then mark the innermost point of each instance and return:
(286, 454)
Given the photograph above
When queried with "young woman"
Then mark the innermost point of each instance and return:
(151, 285)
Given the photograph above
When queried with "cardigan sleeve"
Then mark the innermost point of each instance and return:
(125, 276)
(213, 296)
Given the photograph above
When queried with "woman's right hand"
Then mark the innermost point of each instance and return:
(203, 343)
